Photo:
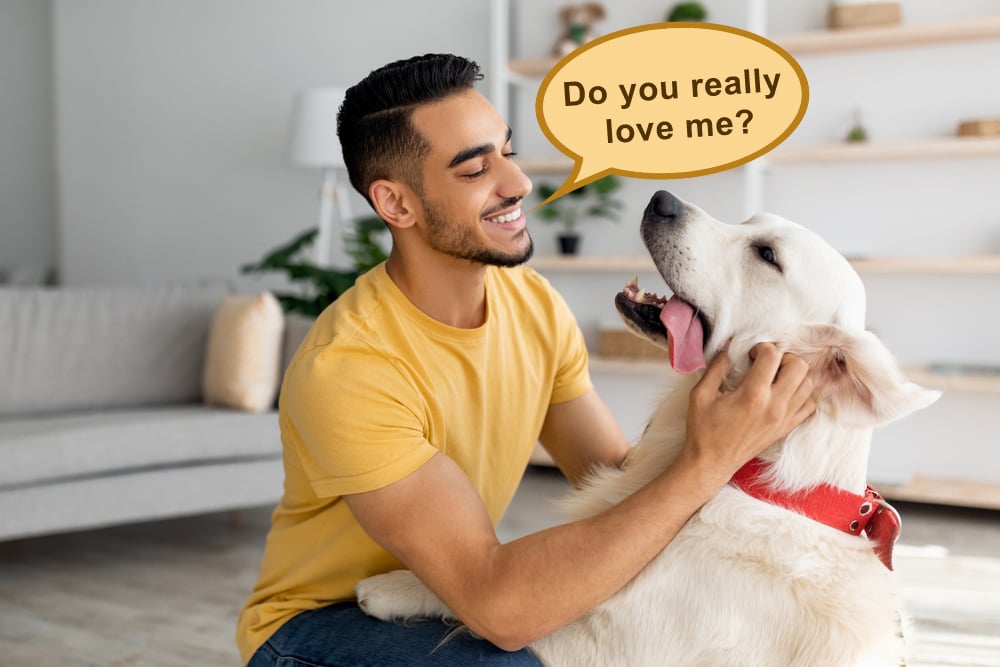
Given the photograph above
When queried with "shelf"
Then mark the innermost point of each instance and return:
(948, 147)
(595, 264)
(919, 34)
(921, 149)
(921, 376)
(832, 41)
(979, 265)
(922, 489)
(948, 382)
(553, 165)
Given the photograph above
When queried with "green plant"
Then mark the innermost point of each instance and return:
(589, 201)
(687, 11)
(321, 286)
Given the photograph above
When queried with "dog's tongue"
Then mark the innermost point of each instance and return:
(685, 336)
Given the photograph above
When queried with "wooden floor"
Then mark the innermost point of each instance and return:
(167, 593)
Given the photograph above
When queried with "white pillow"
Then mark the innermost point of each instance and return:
(244, 353)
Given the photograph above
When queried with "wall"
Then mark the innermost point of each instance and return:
(27, 174)
(173, 118)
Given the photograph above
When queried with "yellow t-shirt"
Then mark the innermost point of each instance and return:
(376, 389)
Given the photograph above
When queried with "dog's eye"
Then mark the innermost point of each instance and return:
(767, 254)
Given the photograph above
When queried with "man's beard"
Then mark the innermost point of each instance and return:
(461, 242)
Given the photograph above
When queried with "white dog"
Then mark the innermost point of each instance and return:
(748, 581)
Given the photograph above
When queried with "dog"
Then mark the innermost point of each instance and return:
(753, 578)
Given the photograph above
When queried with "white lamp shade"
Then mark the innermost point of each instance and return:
(314, 140)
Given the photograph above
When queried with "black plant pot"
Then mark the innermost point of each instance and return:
(569, 244)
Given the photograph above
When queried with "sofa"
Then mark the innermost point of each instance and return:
(104, 414)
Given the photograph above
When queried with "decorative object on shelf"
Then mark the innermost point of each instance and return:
(687, 11)
(321, 285)
(593, 200)
(578, 21)
(620, 343)
(857, 133)
(314, 143)
(845, 14)
(981, 127)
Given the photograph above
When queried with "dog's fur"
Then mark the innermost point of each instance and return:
(744, 582)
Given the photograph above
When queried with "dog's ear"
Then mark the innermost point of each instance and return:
(856, 377)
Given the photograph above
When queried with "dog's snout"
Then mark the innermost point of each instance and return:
(664, 207)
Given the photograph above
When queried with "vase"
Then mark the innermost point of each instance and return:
(568, 244)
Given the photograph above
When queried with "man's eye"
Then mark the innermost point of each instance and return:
(476, 174)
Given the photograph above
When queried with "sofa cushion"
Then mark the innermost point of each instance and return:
(77, 446)
(67, 349)
(244, 353)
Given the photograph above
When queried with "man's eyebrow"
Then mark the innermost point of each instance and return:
(476, 151)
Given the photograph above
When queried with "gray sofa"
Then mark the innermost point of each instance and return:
(101, 417)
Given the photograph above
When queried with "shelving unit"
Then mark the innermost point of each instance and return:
(966, 392)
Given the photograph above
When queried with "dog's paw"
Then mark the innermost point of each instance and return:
(399, 596)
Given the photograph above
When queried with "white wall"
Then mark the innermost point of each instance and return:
(27, 185)
(173, 119)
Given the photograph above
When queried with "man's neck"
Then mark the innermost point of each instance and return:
(451, 291)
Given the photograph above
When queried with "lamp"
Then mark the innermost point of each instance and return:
(314, 143)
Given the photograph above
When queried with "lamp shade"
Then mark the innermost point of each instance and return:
(314, 140)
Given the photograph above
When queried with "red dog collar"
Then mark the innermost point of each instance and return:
(829, 505)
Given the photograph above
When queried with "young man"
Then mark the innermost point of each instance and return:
(410, 410)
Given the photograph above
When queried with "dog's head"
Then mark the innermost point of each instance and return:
(767, 279)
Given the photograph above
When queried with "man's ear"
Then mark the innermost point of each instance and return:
(856, 377)
(394, 201)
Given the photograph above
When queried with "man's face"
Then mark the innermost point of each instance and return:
(472, 189)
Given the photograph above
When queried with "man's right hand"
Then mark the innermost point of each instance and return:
(725, 429)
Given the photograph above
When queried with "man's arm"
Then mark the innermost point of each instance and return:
(512, 594)
(581, 434)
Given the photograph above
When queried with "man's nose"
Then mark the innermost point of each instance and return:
(513, 181)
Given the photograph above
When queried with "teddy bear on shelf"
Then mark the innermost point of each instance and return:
(578, 20)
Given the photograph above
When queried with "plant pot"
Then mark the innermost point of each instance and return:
(569, 244)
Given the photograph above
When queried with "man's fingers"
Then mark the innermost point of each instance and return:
(766, 362)
(716, 372)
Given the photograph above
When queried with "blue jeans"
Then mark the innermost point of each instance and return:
(342, 635)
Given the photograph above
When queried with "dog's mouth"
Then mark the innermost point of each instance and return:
(673, 323)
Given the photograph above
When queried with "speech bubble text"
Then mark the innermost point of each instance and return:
(670, 100)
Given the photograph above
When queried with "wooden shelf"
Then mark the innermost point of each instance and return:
(552, 165)
(948, 147)
(920, 149)
(976, 383)
(978, 265)
(919, 34)
(594, 264)
(923, 489)
(833, 41)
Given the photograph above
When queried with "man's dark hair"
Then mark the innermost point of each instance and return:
(374, 123)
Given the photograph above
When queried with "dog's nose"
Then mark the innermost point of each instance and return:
(665, 207)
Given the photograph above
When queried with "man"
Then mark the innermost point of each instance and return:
(410, 410)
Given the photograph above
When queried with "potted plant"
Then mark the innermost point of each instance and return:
(593, 200)
(687, 11)
(321, 286)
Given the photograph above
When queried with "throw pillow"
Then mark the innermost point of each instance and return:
(244, 353)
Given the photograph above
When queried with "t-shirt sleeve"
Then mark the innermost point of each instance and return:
(572, 374)
(357, 423)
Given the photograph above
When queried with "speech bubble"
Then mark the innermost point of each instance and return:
(669, 100)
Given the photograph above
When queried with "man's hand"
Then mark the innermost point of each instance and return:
(727, 429)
